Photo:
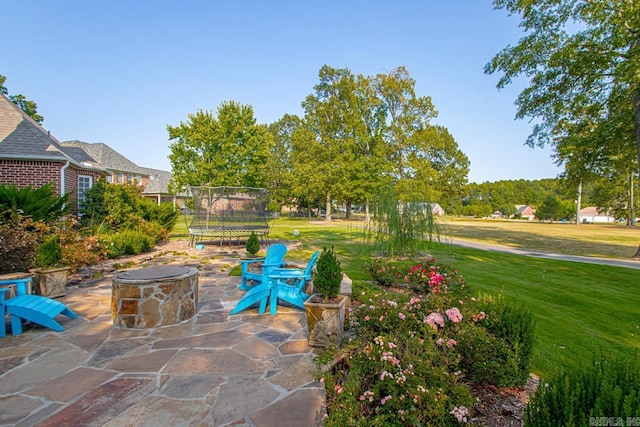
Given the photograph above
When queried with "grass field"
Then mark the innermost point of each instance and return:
(600, 240)
(580, 309)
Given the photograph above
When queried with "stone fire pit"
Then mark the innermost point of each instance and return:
(154, 296)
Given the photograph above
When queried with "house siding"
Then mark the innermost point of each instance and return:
(34, 173)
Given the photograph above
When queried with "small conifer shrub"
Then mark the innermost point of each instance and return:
(253, 244)
(328, 275)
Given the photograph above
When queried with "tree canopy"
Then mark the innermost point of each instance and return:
(581, 58)
(360, 134)
(230, 149)
(29, 107)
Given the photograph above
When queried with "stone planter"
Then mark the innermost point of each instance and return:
(51, 282)
(325, 321)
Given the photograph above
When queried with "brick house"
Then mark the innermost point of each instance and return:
(154, 182)
(31, 156)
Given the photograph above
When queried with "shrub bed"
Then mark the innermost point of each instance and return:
(413, 351)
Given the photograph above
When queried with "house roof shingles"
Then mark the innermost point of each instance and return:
(105, 155)
(112, 160)
(23, 139)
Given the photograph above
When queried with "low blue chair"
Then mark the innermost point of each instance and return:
(288, 284)
(274, 258)
(34, 308)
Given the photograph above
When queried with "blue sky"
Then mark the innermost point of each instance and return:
(120, 71)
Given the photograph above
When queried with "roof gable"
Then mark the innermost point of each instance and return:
(23, 138)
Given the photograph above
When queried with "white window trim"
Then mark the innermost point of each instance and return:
(90, 185)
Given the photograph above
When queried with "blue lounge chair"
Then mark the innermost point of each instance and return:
(34, 308)
(288, 284)
(273, 258)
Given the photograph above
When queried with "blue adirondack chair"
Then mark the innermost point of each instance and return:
(34, 308)
(275, 286)
(273, 258)
(287, 284)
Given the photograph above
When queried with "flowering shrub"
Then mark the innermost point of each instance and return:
(412, 354)
(425, 276)
(384, 273)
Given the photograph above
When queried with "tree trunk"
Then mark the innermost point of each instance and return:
(328, 217)
(636, 122)
(367, 214)
(347, 215)
(578, 203)
(632, 202)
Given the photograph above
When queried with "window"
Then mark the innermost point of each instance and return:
(119, 181)
(84, 183)
(129, 178)
(110, 179)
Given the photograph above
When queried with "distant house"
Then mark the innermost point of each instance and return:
(154, 182)
(31, 156)
(434, 208)
(591, 214)
(526, 212)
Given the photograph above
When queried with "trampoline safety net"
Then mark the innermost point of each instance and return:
(229, 212)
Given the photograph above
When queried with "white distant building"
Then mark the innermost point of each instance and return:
(590, 215)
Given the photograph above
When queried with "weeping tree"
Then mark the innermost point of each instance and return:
(402, 226)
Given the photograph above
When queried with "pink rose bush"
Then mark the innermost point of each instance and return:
(413, 353)
(426, 276)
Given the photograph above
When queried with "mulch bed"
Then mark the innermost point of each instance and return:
(501, 407)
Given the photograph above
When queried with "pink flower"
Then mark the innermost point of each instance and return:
(460, 413)
(434, 320)
(401, 316)
(451, 343)
(454, 314)
(338, 388)
(366, 318)
(385, 400)
(367, 395)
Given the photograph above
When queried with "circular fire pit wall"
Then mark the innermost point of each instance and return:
(154, 296)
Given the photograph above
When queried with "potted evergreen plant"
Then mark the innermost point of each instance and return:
(50, 276)
(326, 308)
(253, 245)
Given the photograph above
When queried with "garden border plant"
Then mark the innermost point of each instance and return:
(413, 351)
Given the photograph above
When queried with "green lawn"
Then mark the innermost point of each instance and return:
(579, 308)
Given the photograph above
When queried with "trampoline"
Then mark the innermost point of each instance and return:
(227, 213)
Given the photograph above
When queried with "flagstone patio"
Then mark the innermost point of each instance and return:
(212, 370)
